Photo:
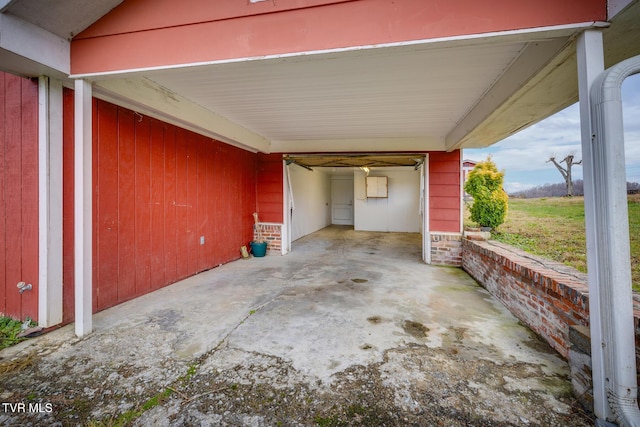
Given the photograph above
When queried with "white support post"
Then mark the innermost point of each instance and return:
(83, 241)
(285, 232)
(424, 206)
(590, 64)
(50, 201)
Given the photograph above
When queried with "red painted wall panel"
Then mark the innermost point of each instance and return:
(170, 253)
(158, 190)
(444, 191)
(107, 205)
(269, 188)
(157, 204)
(126, 203)
(67, 207)
(3, 196)
(18, 195)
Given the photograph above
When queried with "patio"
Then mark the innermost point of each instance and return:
(351, 328)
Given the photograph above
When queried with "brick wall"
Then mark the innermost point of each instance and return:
(446, 249)
(272, 232)
(551, 298)
(547, 296)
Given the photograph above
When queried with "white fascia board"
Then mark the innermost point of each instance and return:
(34, 43)
(145, 96)
(359, 145)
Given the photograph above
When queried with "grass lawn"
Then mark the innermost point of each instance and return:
(554, 228)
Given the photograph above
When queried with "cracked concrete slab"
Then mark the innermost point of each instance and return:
(351, 328)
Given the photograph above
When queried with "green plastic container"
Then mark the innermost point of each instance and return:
(258, 249)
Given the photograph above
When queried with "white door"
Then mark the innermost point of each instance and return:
(342, 200)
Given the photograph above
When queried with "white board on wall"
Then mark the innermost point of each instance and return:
(377, 186)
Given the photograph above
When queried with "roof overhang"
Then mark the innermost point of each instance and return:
(428, 95)
(407, 94)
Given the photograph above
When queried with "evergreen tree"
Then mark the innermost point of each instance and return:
(484, 184)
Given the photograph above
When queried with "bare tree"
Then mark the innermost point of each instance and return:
(566, 171)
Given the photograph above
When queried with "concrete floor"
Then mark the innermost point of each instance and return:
(351, 328)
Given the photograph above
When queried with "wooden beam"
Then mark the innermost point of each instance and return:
(147, 97)
(521, 70)
(34, 43)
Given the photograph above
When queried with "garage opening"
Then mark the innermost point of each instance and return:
(361, 192)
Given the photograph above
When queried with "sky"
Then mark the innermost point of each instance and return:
(523, 156)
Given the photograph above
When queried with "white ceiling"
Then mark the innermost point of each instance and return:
(410, 92)
(413, 97)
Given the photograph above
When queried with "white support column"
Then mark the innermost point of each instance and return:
(590, 64)
(424, 206)
(83, 241)
(285, 235)
(50, 201)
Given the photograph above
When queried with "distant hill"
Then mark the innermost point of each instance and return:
(560, 189)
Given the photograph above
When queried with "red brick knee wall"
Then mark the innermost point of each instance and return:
(446, 249)
(549, 297)
(545, 295)
(272, 233)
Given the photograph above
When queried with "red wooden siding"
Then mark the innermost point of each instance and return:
(158, 189)
(444, 191)
(270, 195)
(67, 207)
(18, 195)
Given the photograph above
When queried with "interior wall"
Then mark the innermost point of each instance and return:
(397, 213)
(312, 201)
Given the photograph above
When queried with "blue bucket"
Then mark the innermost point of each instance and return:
(258, 249)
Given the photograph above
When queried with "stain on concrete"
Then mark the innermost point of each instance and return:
(358, 280)
(415, 329)
(374, 319)
(167, 319)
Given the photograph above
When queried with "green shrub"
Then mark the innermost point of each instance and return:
(484, 184)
